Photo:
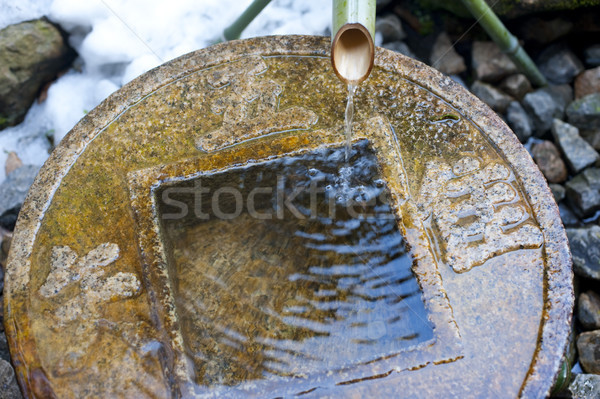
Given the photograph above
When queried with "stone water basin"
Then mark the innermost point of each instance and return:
(200, 234)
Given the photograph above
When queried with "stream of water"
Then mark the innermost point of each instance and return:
(348, 117)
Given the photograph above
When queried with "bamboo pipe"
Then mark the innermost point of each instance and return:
(505, 40)
(234, 31)
(352, 43)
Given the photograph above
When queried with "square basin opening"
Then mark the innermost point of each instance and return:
(290, 267)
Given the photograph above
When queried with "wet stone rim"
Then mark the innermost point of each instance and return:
(558, 298)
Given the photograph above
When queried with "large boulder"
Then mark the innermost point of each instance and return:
(31, 54)
(514, 8)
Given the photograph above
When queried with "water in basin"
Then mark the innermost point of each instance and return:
(289, 268)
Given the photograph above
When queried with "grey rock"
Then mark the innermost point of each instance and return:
(585, 386)
(15, 187)
(558, 192)
(390, 28)
(587, 82)
(515, 8)
(583, 191)
(497, 100)
(585, 249)
(588, 347)
(4, 353)
(9, 389)
(548, 159)
(589, 310)
(578, 152)
(559, 64)
(31, 54)
(545, 31)
(567, 216)
(400, 47)
(445, 58)
(543, 107)
(592, 55)
(490, 63)
(585, 112)
(516, 85)
(563, 94)
(592, 137)
(519, 121)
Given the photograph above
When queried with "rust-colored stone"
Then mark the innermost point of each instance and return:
(92, 308)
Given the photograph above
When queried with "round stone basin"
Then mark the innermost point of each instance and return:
(200, 234)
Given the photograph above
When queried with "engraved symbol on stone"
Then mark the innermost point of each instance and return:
(474, 212)
(88, 273)
(249, 103)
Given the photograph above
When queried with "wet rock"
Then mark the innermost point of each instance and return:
(559, 64)
(497, 100)
(513, 8)
(589, 310)
(490, 63)
(400, 47)
(563, 94)
(3, 257)
(545, 31)
(585, 386)
(578, 152)
(519, 121)
(14, 188)
(585, 248)
(9, 389)
(516, 85)
(13, 162)
(588, 347)
(31, 54)
(9, 218)
(390, 28)
(592, 137)
(567, 215)
(445, 58)
(585, 112)
(558, 191)
(587, 83)
(592, 55)
(583, 191)
(4, 353)
(548, 159)
(542, 106)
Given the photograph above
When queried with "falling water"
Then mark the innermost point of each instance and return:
(348, 117)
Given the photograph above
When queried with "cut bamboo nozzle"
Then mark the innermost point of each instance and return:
(352, 45)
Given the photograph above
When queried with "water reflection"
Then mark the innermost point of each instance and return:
(287, 297)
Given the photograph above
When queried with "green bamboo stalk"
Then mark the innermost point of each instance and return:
(234, 31)
(351, 12)
(352, 39)
(505, 40)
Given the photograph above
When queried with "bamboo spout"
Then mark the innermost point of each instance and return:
(352, 43)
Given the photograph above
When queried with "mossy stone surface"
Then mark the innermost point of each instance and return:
(90, 305)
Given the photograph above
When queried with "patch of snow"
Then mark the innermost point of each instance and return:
(117, 40)
(15, 11)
